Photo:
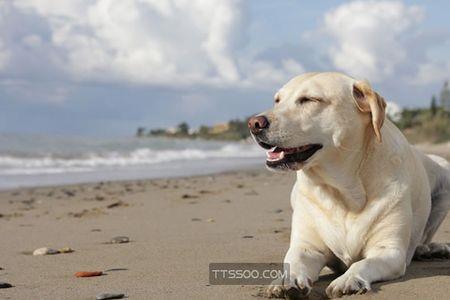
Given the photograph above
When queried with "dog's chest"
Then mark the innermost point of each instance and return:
(343, 232)
(344, 236)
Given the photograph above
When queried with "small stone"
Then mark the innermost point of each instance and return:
(247, 237)
(196, 219)
(5, 285)
(69, 193)
(99, 198)
(210, 220)
(120, 240)
(106, 296)
(227, 201)
(88, 273)
(189, 196)
(115, 269)
(117, 204)
(45, 251)
(66, 250)
(277, 211)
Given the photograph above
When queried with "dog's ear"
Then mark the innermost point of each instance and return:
(368, 101)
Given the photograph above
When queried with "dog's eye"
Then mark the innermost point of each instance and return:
(303, 100)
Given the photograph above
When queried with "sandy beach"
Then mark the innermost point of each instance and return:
(176, 228)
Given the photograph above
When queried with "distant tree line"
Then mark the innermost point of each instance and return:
(235, 129)
(428, 124)
(418, 124)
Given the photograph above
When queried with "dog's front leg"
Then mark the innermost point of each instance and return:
(304, 267)
(305, 259)
(380, 264)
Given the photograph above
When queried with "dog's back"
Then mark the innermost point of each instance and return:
(438, 171)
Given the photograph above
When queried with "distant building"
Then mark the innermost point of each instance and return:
(171, 130)
(445, 97)
(219, 128)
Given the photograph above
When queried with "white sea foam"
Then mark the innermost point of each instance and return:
(49, 164)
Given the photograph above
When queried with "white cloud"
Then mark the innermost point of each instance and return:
(157, 42)
(175, 43)
(393, 110)
(369, 36)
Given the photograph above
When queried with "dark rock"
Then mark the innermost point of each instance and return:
(106, 296)
(115, 269)
(5, 285)
(69, 193)
(247, 237)
(117, 204)
(277, 211)
(188, 196)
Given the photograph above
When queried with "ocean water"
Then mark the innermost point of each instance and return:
(36, 160)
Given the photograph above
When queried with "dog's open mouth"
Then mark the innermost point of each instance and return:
(277, 156)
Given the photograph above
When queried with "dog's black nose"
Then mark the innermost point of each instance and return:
(257, 124)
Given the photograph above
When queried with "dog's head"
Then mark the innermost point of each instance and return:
(314, 115)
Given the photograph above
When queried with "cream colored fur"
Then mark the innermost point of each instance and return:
(359, 205)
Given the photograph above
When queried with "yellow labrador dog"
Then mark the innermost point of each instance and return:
(365, 201)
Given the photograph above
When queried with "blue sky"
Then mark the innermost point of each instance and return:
(103, 67)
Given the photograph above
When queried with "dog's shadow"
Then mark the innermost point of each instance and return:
(417, 269)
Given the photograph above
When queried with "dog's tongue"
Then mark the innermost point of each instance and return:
(275, 154)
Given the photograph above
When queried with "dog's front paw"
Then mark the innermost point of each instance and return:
(275, 290)
(297, 287)
(347, 284)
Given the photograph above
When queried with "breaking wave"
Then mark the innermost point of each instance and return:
(51, 164)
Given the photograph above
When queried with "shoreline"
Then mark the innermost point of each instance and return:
(162, 171)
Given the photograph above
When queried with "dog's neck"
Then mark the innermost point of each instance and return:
(341, 173)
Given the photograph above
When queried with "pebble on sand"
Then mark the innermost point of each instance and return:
(106, 296)
(66, 250)
(88, 273)
(45, 251)
(5, 285)
(188, 196)
(120, 240)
